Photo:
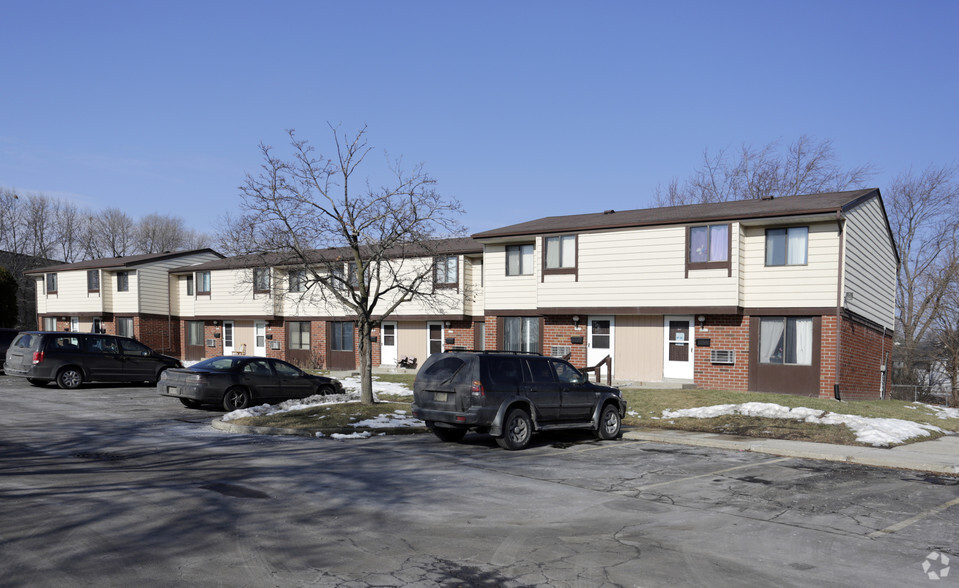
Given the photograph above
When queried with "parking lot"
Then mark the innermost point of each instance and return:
(117, 486)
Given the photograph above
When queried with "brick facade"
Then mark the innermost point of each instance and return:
(864, 350)
(724, 332)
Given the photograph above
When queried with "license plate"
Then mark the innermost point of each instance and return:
(440, 396)
(173, 390)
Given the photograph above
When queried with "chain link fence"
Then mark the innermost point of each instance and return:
(924, 394)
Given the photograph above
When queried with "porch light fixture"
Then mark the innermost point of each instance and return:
(576, 321)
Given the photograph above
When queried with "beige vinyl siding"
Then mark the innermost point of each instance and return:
(124, 302)
(638, 267)
(473, 299)
(411, 340)
(153, 280)
(509, 292)
(810, 285)
(869, 287)
(638, 348)
(71, 297)
(231, 295)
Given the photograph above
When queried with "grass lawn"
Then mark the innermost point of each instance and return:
(645, 411)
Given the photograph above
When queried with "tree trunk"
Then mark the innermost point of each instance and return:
(365, 329)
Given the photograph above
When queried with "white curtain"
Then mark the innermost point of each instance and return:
(718, 242)
(803, 344)
(796, 248)
(771, 340)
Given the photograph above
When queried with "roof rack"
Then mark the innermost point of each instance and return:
(493, 351)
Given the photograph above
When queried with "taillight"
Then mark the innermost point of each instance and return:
(476, 390)
(37, 357)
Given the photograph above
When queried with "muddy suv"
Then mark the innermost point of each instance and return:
(510, 396)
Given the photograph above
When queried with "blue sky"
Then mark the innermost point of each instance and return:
(519, 109)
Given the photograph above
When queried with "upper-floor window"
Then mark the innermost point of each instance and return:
(446, 274)
(189, 285)
(51, 283)
(560, 253)
(297, 280)
(261, 279)
(787, 246)
(708, 243)
(519, 260)
(203, 282)
(93, 281)
(123, 281)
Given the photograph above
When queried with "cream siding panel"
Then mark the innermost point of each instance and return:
(509, 292)
(411, 340)
(638, 354)
(473, 296)
(123, 302)
(811, 285)
(639, 267)
(154, 284)
(231, 295)
(42, 300)
(72, 296)
(869, 287)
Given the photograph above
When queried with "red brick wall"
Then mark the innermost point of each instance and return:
(827, 356)
(863, 352)
(492, 324)
(157, 332)
(558, 330)
(724, 332)
(461, 332)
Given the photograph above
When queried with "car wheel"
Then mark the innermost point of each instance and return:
(236, 398)
(69, 378)
(187, 402)
(610, 423)
(324, 390)
(448, 435)
(36, 382)
(517, 430)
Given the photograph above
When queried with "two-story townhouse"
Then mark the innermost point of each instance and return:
(126, 296)
(264, 305)
(793, 294)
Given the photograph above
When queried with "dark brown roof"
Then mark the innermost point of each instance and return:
(454, 246)
(692, 213)
(119, 262)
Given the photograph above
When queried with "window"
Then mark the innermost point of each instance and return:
(709, 244)
(299, 335)
(446, 274)
(341, 336)
(521, 333)
(49, 323)
(194, 333)
(123, 281)
(787, 246)
(51, 283)
(189, 285)
(102, 345)
(203, 282)
(560, 252)
(786, 340)
(93, 281)
(297, 280)
(125, 326)
(285, 369)
(353, 278)
(519, 260)
(134, 348)
(261, 280)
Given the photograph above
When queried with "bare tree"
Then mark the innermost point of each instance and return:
(946, 354)
(68, 224)
(924, 213)
(296, 207)
(110, 233)
(806, 166)
(157, 233)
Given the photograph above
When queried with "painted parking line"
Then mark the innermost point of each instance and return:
(913, 520)
(713, 473)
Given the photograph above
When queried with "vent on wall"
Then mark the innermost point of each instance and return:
(727, 356)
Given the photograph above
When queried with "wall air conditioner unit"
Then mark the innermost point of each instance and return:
(560, 350)
(211, 342)
(724, 356)
(274, 345)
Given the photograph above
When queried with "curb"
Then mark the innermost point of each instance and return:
(229, 427)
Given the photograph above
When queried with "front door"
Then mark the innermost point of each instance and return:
(388, 344)
(600, 341)
(227, 337)
(678, 352)
(434, 343)
(259, 338)
(341, 354)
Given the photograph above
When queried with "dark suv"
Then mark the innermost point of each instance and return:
(73, 358)
(511, 395)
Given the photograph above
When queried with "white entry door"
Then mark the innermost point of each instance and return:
(678, 352)
(388, 344)
(434, 338)
(259, 338)
(599, 343)
(227, 337)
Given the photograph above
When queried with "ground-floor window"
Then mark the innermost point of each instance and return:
(125, 326)
(521, 333)
(341, 336)
(49, 323)
(194, 333)
(299, 334)
(786, 340)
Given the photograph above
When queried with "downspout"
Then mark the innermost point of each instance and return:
(842, 247)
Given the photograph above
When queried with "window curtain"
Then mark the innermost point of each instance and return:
(796, 248)
(697, 244)
(521, 333)
(801, 341)
(552, 252)
(569, 252)
(771, 340)
(718, 242)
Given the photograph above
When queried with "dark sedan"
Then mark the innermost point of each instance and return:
(236, 382)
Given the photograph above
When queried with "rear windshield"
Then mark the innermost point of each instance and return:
(27, 341)
(218, 363)
(443, 369)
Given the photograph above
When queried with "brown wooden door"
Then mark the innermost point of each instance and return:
(341, 345)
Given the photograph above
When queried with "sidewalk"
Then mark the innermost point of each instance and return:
(940, 455)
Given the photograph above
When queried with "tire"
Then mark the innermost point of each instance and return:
(517, 430)
(448, 435)
(70, 378)
(236, 398)
(610, 423)
(324, 390)
(38, 383)
(189, 403)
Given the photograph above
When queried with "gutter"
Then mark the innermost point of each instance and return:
(842, 253)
